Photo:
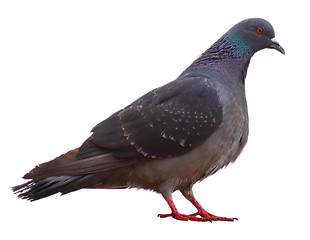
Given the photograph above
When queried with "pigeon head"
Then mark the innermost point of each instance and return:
(252, 35)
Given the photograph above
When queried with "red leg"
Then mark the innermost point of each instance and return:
(176, 215)
(188, 194)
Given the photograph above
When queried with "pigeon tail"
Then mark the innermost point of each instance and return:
(37, 189)
(66, 174)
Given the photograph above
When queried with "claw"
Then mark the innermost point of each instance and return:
(184, 217)
(192, 217)
(205, 214)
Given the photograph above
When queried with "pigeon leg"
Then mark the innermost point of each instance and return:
(176, 215)
(188, 194)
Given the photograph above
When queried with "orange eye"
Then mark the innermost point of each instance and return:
(259, 30)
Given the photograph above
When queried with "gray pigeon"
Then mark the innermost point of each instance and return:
(171, 137)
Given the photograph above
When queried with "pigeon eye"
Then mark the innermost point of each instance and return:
(259, 30)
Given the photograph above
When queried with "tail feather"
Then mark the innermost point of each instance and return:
(67, 165)
(66, 174)
(37, 189)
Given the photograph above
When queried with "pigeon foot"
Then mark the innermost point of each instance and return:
(205, 217)
(184, 217)
(200, 216)
(204, 214)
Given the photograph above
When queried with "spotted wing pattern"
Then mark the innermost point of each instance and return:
(168, 121)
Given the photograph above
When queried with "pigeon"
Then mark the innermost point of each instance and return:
(173, 136)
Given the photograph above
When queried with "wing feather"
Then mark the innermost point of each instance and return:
(168, 121)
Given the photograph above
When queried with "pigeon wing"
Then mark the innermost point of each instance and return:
(168, 121)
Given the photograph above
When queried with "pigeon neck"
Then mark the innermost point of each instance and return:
(228, 47)
(228, 54)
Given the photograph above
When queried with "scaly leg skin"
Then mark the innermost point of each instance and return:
(176, 215)
(188, 194)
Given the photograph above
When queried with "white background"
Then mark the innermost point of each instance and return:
(67, 65)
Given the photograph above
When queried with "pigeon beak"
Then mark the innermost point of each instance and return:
(275, 45)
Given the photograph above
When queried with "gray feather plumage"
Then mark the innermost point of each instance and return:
(171, 137)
